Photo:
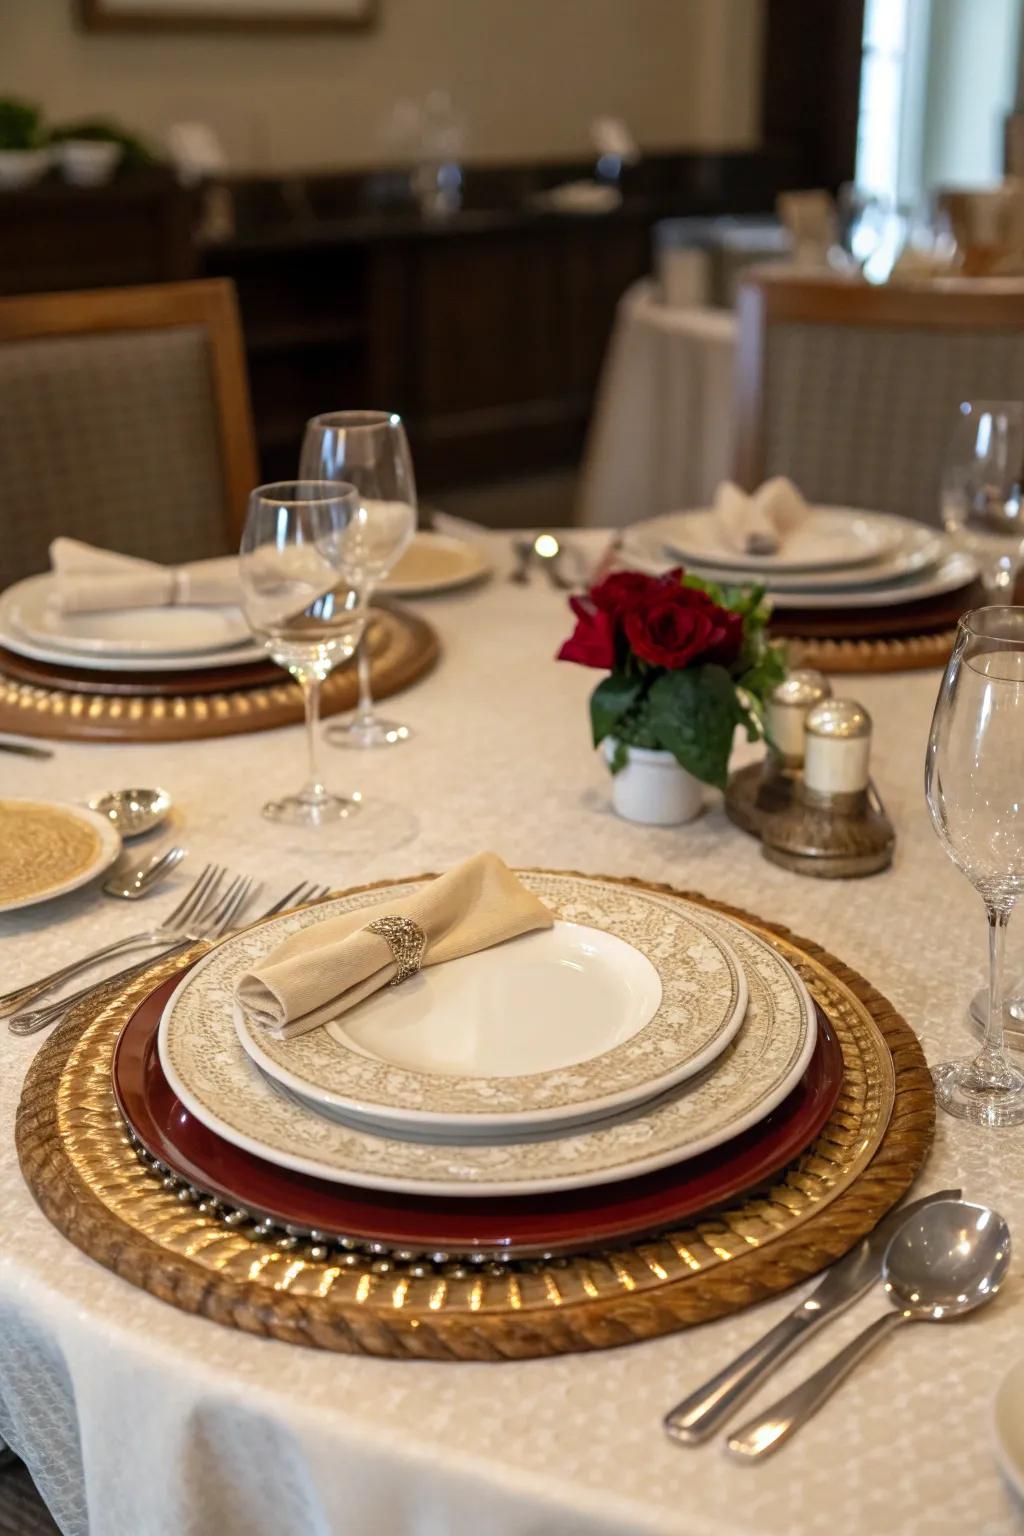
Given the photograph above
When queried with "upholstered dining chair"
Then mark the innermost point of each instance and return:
(852, 390)
(124, 421)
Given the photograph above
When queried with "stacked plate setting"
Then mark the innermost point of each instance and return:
(171, 639)
(642, 1060)
(840, 557)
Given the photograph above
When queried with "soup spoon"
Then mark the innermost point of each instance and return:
(947, 1260)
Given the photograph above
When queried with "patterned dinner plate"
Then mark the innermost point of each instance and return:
(619, 1001)
(48, 848)
(553, 1223)
(217, 1082)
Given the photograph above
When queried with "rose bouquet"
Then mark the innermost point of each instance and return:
(688, 661)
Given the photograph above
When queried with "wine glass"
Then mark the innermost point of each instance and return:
(302, 603)
(367, 449)
(982, 500)
(974, 782)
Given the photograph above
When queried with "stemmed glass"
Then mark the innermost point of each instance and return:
(982, 498)
(301, 601)
(367, 449)
(974, 782)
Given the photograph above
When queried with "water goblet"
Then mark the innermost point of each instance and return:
(974, 782)
(367, 449)
(301, 603)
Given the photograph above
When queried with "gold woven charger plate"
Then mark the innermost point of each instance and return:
(80, 1165)
(897, 653)
(405, 647)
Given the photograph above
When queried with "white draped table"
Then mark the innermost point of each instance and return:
(663, 429)
(138, 1420)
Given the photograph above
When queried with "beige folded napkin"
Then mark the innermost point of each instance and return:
(90, 580)
(327, 968)
(759, 524)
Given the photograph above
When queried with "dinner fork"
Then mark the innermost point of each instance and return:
(214, 926)
(203, 888)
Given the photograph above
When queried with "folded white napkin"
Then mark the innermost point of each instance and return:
(759, 524)
(327, 968)
(90, 580)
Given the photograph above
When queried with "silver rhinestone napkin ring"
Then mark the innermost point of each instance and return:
(406, 941)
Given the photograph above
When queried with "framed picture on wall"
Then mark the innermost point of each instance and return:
(244, 15)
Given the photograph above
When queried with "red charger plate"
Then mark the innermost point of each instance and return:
(575, 1220)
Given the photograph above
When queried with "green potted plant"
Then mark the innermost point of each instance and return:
(90, 152)
(687, 662)
(23, 153)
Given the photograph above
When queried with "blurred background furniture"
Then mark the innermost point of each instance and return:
(126, 421)
(662, 434)
(851, 389)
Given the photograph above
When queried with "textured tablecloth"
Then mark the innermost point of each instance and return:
(140, 1421)
(662, 433)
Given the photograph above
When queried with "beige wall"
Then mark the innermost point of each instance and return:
(528, 75)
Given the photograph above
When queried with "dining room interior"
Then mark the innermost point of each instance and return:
(511, 691)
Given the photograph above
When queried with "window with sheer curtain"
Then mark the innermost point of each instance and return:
(938, 80)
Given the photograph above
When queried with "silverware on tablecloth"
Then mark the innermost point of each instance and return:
(140, 879)
(550, 552)
(25, 749)
(704, 1412)
(944, 1262)
(132, 811)
(214, 924)
(523, 550)
(196, 900)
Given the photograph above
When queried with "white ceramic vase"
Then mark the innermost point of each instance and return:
(89, 162)
(653, 788)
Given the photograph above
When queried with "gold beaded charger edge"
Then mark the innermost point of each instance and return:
(407, 649)
(80, 1164)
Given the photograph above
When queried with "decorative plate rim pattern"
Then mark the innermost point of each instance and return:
(78, 1162)
(703, 999)
(218, 1083)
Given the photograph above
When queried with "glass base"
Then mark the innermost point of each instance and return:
(1013, 1017)
(367, 731)
(306, 810)
(969, 1095)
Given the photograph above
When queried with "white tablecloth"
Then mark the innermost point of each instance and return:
(662, 432)
(138, 1420)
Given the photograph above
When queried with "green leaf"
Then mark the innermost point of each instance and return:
(695, 713)
(612, 697)
(620, 757)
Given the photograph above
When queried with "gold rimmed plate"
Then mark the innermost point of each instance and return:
(48, 848)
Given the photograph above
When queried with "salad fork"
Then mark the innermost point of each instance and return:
(202, 889)
(214, 925)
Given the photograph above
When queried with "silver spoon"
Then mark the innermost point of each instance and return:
(132, 811)
(130, 884)
(948, 1259)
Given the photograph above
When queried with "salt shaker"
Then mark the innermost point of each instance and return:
(835, 826)
(786, 711)
(762, 790)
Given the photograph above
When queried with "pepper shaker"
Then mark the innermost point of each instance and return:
(763, 789)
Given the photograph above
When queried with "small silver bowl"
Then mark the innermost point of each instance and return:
(133, 811)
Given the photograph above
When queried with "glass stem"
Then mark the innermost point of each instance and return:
(310, 685)
(364, 709)
(990, 1061)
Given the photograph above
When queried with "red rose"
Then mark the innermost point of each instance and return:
(592, 642)
(624, 591)
(682, 625)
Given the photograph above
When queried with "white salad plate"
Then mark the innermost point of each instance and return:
(434, 562)
(173, 630)
(832, 538)
(551, 1029)
(217, 1081)
(956, 570)
(920, 549)
(24, 601)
